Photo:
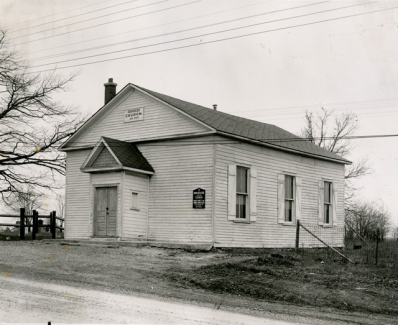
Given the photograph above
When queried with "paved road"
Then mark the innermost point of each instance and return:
(25, 301)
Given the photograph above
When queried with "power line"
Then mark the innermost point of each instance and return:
(176, 32)
(111, 22)
(135, 30)
(208, 42)
(290, 112)
(40, 18)
(70, 17)
(89, 19)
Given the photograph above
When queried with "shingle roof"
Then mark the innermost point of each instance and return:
(128, 154)
(242, 127)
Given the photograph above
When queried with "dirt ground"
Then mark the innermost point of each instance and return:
(260, 282)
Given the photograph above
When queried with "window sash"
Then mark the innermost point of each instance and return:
(241, 180)
(327, 187)
(289, 198)
(289, 187)
(289, 210)
(327, 213)
(241, 206)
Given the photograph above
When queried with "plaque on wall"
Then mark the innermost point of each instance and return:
(134, 114)
(199, 198)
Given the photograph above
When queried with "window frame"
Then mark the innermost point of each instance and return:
(290, 200)
(245, 195)
(328, 217)
(136, 206)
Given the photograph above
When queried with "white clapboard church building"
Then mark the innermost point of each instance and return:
(153, 168)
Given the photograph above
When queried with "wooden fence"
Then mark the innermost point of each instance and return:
(35, 223)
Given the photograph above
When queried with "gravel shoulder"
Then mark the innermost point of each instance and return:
(156, 273)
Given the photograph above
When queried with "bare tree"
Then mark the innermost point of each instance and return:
(28, 199)
(32, 125)
(367, 217)
(330, 131)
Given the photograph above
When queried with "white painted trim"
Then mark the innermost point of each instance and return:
(122, 190)
(153, 139)
(111, 151)
(115, 169)
(147, 211)
(116, 100)
(93, 154)
(174, 108)
(138, 171)
(214, 193)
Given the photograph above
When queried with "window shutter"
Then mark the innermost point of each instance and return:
(281, 198)
(298, 198)
(231, 192)
(334, 205)
(253, 194)
(321, 203)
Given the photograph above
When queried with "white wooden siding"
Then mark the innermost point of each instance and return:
(266, 232)
(179, 169)
(77, 207)
(134, 223)
(159, 121)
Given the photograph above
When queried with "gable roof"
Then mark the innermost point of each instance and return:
(267, 134)
(128, 155)
(115, 155)
(229, 125)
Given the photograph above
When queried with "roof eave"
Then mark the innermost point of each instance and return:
(115, 169)
(274, 146)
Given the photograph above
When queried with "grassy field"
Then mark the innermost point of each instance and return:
(313, 278)
(309, 278)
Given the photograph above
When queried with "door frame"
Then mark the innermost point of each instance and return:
(94, 187)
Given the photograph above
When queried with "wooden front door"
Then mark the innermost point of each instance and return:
(105, 210)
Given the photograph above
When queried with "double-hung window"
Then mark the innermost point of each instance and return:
(289, 198)
(242, 192)
(327, 203)
(327, 198)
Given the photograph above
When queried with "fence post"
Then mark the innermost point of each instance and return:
(298, 235)
(34, 225)
(22, 224)
(54, 229)
(377, 244)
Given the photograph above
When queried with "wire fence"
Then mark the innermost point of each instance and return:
(333, 242)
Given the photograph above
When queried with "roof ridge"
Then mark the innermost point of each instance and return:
(284, 140)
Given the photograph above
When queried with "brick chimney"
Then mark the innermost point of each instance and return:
(110, 90)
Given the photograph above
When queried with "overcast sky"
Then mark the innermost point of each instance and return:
(264, 60)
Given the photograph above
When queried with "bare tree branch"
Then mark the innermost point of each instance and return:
(32, 124)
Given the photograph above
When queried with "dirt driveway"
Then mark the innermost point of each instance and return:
(148, 273)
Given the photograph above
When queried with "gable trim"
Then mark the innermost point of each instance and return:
(114, 169)
(174, 108)
(116, 100)
(95, 153)
(111, 151)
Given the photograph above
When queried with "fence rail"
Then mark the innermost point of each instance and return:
(35, 224)
(337, 243)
